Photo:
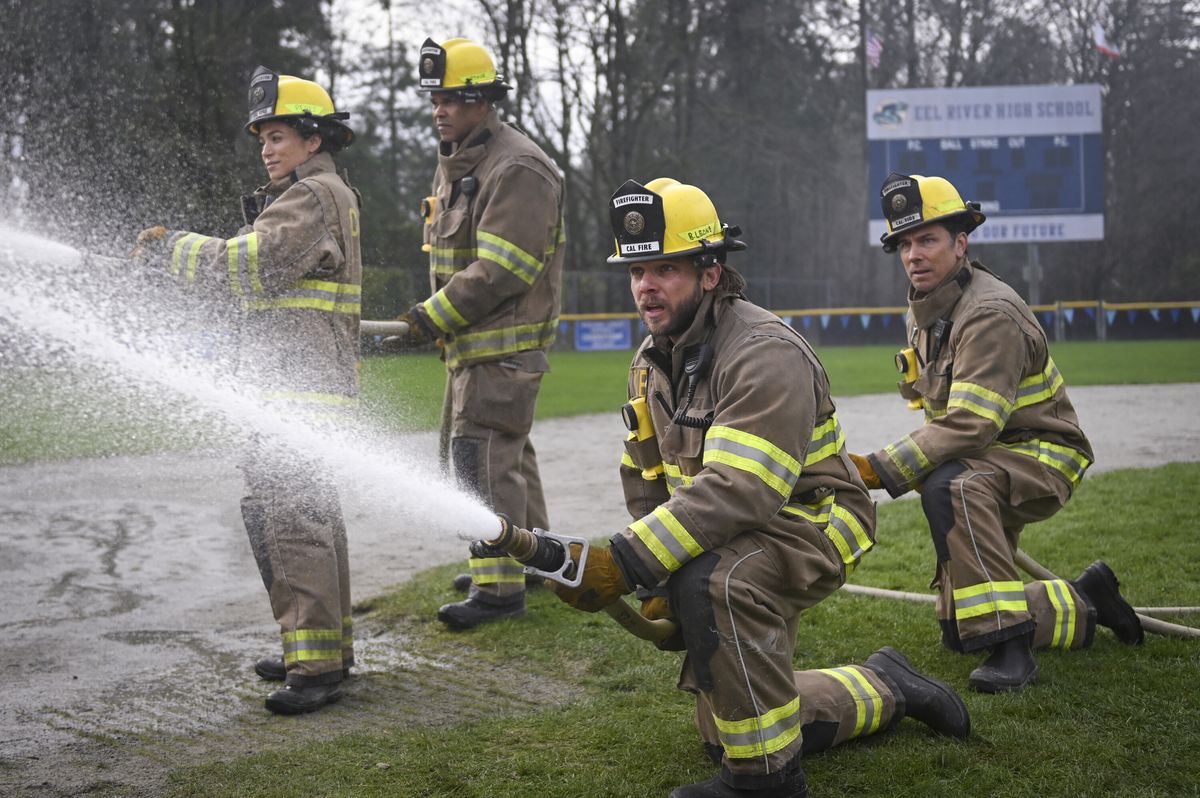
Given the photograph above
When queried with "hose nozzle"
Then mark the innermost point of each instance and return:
(521, 544)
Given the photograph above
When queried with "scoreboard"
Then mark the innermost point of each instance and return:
(1032, 156)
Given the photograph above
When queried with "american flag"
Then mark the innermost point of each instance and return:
(1102, 42)
(874, 49)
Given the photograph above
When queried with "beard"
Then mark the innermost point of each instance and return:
(680, 318)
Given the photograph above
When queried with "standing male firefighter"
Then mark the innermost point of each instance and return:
(1001, 446)
(295, 272)
(747, 508)
(495, 233)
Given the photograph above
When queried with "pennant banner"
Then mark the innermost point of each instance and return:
(1069, 315)
(825, 317)
(1154, 313)
(865, 318)
(1111, 317)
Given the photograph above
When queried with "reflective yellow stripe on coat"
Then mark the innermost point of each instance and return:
(186, 253)
(1063, 459)
(520, 263)
(755, 455)
(908, 459)
(503, 341)
(841, 526)
(666, 538)
(323, 295)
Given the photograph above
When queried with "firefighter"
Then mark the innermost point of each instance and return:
(747, 509)
(294, 272)
(494, 231)
(1001, 446)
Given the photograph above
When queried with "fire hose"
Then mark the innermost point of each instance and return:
(1037, 570)
(386, 328)
(546, 554)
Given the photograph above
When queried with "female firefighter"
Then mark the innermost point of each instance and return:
(293, 276)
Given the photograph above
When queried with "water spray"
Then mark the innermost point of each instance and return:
(65, 313)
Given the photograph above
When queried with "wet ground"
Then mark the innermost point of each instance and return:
(131, 609)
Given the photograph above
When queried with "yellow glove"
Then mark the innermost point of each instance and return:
(654, 608)
(148, 241)
(603, 583)
(869, 477)
(419, 333)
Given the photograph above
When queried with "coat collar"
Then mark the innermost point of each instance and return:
(321, 162)
(938, 303)
(457, 160)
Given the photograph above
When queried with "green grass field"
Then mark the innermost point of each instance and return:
(57, 416)
(407, 391)
(591, 711)
(1110, 720)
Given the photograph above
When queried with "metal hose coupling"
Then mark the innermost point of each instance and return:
(520, 544)
(542, 552)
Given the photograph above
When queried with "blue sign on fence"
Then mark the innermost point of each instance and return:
(597, 335)
(1031, 155)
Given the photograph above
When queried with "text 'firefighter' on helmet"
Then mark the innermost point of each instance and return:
(666, 219)
(462, 66)
(301, 102)
(912, 201)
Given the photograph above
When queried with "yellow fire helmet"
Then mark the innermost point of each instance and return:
(912, 201)
(666, 219)
(275, 96)
(462, 66)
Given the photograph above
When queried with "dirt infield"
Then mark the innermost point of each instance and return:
(132, 607)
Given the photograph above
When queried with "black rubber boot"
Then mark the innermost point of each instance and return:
(273, 670)
(714, 752)
(293, 700)
(1100, 588)
(468, 614)
(1010, 666)
(925, 699)
(794, 787)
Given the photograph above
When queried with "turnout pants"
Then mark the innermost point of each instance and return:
(739, 610)
(294, 522)
(493, 458)
(976, 510)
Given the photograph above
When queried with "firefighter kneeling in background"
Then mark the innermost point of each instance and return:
(1001, 446)
(295, 274)
(747, 509)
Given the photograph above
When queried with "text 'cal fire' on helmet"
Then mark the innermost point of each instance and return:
(666, 219)
(912, 201)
